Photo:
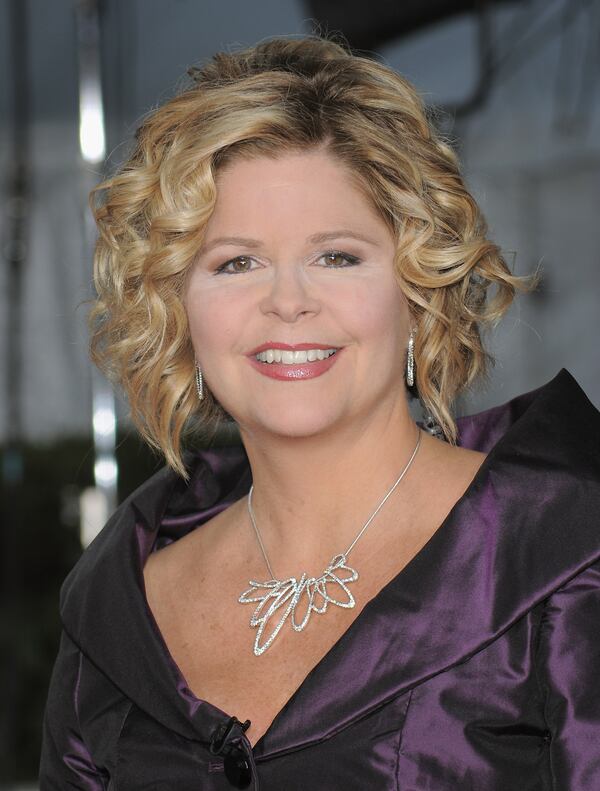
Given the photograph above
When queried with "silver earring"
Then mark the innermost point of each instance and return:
(410, 360)
(199, 382)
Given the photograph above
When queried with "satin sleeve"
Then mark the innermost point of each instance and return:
(65, 760)
(569, 672)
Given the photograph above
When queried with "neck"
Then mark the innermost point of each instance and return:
(312, 495)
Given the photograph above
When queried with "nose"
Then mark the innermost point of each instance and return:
(288, 295)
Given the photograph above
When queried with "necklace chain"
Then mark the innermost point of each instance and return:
(364, 527)
(278, 593)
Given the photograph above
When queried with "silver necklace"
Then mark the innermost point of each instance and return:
(287, 593)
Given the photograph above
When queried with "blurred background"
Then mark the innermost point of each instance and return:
(518, 91)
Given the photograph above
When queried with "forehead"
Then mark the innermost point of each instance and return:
(314, 185)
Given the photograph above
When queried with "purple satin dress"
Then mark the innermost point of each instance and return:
(477, 668)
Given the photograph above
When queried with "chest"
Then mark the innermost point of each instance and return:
(211, 639)
(213, 644)
(208, 632)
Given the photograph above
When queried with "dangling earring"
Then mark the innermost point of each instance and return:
(410, 359)
(199, 382)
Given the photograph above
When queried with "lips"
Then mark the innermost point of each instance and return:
(294, 371)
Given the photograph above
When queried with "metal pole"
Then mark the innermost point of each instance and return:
(98, 504)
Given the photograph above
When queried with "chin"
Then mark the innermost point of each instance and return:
(300, 421)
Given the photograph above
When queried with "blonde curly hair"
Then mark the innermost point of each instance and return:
(287, 95)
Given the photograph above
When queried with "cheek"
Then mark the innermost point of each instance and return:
(374, 312)
(214, 317)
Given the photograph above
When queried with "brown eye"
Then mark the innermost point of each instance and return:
(236, 266)
(338, 259)
(240, 264)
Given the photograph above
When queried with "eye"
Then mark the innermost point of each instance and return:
(336, 259)
(236, 266)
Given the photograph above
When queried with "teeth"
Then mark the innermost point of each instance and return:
(290, 358)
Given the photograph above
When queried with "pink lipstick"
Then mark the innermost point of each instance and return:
(293, 371)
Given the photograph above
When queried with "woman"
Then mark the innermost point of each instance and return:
(347, 600)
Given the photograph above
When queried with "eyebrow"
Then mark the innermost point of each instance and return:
(329, 236)
(254, 244)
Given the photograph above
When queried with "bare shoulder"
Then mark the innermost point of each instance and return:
(465, 459)
(452, 458)
(446, 472)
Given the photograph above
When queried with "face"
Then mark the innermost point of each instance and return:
(294, 255)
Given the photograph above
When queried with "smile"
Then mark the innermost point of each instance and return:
(292, 357)
(296, 365)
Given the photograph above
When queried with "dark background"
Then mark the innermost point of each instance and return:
(517, 83)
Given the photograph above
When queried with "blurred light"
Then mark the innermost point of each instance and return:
(105, 471)
(94, 511)
(91, 123)
(104, 421)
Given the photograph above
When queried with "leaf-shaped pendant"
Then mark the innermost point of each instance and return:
(273, 595)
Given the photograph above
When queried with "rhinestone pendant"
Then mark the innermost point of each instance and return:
(276, 594)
